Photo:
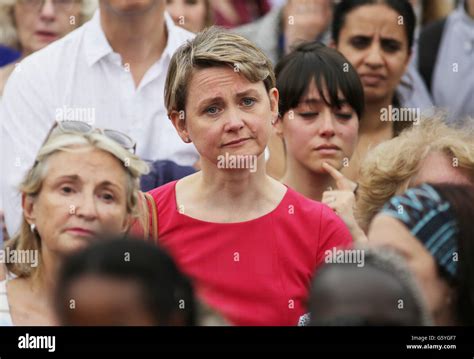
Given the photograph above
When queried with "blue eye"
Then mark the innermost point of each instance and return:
(247, 102)
(212, 110)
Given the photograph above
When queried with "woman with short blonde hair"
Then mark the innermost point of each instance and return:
(249, 243)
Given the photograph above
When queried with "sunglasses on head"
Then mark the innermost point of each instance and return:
(82, 127)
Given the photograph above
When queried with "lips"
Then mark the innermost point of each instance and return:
(327, 147)
(82, 232)
(47, 36)
(327, 150)
(371, 79)
(236, 142)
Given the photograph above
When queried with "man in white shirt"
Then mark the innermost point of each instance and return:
(110, 73)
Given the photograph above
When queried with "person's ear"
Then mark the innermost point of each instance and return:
(332, 44)
(127, 222)
(178, 118)
(28, 205)
(274, 97)
(278, 125)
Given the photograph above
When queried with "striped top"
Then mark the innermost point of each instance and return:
(5, 315)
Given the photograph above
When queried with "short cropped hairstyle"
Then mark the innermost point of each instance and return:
(328, 68)
(389, 167)
(214, 47)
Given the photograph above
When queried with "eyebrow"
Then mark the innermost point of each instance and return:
(382, 38)
(211, 100)
(73, 178)
(108, 183)
(76, 178)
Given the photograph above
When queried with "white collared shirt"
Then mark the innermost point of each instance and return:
(80, 77)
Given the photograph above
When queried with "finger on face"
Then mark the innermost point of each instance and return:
(334, 173)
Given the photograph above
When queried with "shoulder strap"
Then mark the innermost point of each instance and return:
(153, 215)
(428, 46)
(146, 224)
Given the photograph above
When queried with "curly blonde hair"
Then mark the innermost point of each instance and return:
(389, 167)
(8, 33)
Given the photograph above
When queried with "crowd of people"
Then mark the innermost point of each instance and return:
(306, 162)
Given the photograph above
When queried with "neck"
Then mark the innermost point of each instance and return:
(371, 121)
(49, 271)
(234, 187)
(43, 284)
(138, 38)
(306, 182)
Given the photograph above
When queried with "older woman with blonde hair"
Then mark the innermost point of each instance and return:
(30, 25)
(84, 183)
(249, 243)
(428, 152)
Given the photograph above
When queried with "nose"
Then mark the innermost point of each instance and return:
(234, 121)
(48, 10)
(86, 207)
(374, 58)
(327, 125)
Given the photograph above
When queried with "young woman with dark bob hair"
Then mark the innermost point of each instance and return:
(321, 104)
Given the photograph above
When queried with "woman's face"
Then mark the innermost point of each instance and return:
(315, 132)
(82, 195)
(38, 25)
(374, 40)
(438, 167)
(190, 14)
(227, 115)
(389, 232)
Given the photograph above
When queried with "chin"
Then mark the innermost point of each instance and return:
(132, 6)
(375, 95)
(74, 243)
(317, 166)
